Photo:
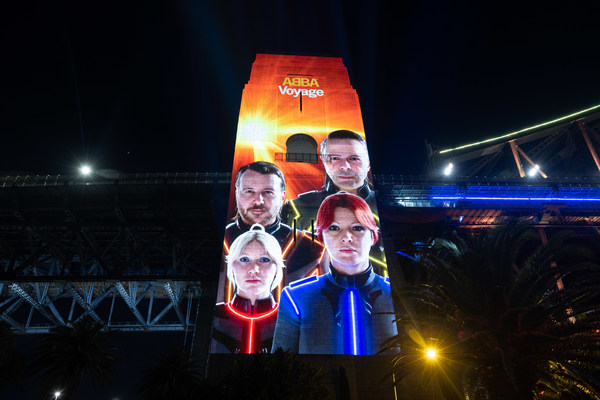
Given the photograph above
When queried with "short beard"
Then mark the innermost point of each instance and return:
(266, 219)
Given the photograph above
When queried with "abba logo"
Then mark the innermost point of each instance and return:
(310, 82)
(285, 88)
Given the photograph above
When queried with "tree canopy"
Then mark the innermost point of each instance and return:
(177, 375)
(281, 375)
(70, 353)
(508, 315)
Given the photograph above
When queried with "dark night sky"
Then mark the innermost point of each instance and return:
(159, 87)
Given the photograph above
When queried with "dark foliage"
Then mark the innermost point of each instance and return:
(13, 365)
(500, 318)
(70, 353)
(282, 375)
(176, 376)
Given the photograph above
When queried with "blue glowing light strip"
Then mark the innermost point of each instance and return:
(291, 301)
(592, 199)
(353, 323)
(305, 281)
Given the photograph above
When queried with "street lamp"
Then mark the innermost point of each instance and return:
(85, 170)
(534, 170)
(448, 169)
(431, 353)
(56, 394)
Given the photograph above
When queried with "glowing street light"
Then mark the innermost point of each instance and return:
(431, 353)
(448, 169)
(56, 394)
(534, 170)
(85, 170)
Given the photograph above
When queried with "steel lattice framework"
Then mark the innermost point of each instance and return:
(135, 253)
(566, 147)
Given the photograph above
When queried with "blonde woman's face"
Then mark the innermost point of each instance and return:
(254, 272)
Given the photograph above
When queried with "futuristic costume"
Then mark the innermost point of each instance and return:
(336, 314)
(304, 207)
(279, 230)
(240, 327)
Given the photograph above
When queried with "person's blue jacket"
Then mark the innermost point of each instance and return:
(335, 314)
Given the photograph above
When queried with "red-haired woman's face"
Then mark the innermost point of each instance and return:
(348, 242)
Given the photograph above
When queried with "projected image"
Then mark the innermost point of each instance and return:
(293, 152)
(349, 310)
(245, 324)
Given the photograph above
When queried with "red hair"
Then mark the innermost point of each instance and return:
(345, 200)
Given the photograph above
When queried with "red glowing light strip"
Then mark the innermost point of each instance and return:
(287, 248)
(315, 271)
(308, 235)
(322, 254)
(252, 319)
(230, 307)
(225, 247)
(250, 337)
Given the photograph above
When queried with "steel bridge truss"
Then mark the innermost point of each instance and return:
(129, 253)
(568, 149)
(37, 307)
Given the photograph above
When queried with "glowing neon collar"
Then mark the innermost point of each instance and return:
(352, 281)
(244, 308)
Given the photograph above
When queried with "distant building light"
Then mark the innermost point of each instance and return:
(448, 169)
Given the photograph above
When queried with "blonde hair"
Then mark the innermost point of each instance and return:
(271, 245)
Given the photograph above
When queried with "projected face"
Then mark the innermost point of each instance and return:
(259, 197)
(254, 272)
(347, 163)
(348, 242)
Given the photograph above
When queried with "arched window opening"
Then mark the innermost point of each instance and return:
(301, 147)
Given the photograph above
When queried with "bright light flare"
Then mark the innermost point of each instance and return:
(84, 170)
(534, 170)
(56, 394)
(431, 353)
(448, 169)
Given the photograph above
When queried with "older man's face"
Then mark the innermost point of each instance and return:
(347, 163)
(259, 197)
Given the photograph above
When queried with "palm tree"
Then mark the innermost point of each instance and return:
(69, 353)
(176, 376)
(501, 324)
